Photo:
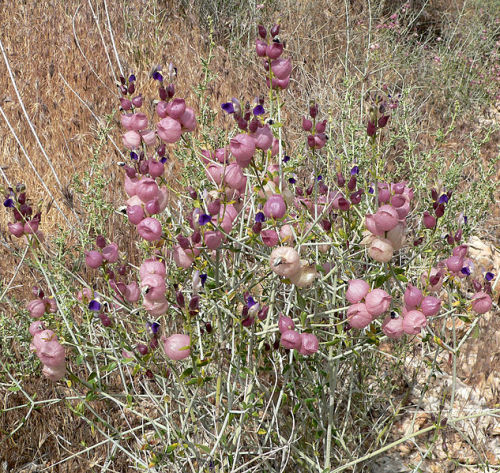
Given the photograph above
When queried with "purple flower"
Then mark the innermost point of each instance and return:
(203, 278)
(286, 159)
(228, 107)
(354, 170)
(204, 219)
(465, 220)
(443, 199)
(259, 110)
(260, 217)
(131, 78)
(250, 301)
(9, 203)
(94, 306)
(164, 160)
(489, 276)
(153, 326)
(292, 180)
(157, 76)
(465, 270)
(370, 190)
(134, 156)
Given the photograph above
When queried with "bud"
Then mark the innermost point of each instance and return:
(275, 30)
(382, 121)
(429, 220)
(340, 179)
(137, 101)
(262, 32)
(351, 185)
(371, 129)
(306, 124)
(179, 297)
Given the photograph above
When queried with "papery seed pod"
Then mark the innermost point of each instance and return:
(262, 31)
(275, 30)
(285, 261)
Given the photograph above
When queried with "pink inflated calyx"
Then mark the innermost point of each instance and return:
(242, 147)
(169, 130)
(181, 258)
(93, 259)
(291, 339)
(481, 302)
(213, 239)
(413, 322)
(131, 140)
(188, 120)
(110, 253)
(263, 137)
(274, 50)
(285, 323)
(430, 306)
(176, 108)
(275, 207)
(147, 189)
(285, 261)
(386, 217)
(16, 228)
(153, 287)
(377, 302)
(177, 346)
(281, 68)
(269, 237)
(36, 308)
(381, 250)
(260, 47)
(412, 297)
(152, 266)
(455, 263)
(393, 326)
(310, 344)
(135, 214)
(234, 176)
(150, 229)
(357, 290)
(358, 316)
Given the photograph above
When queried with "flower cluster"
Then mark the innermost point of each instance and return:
(271, 48)
(387, 225)
(25, 223)
(304, 343)
(49, 351)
